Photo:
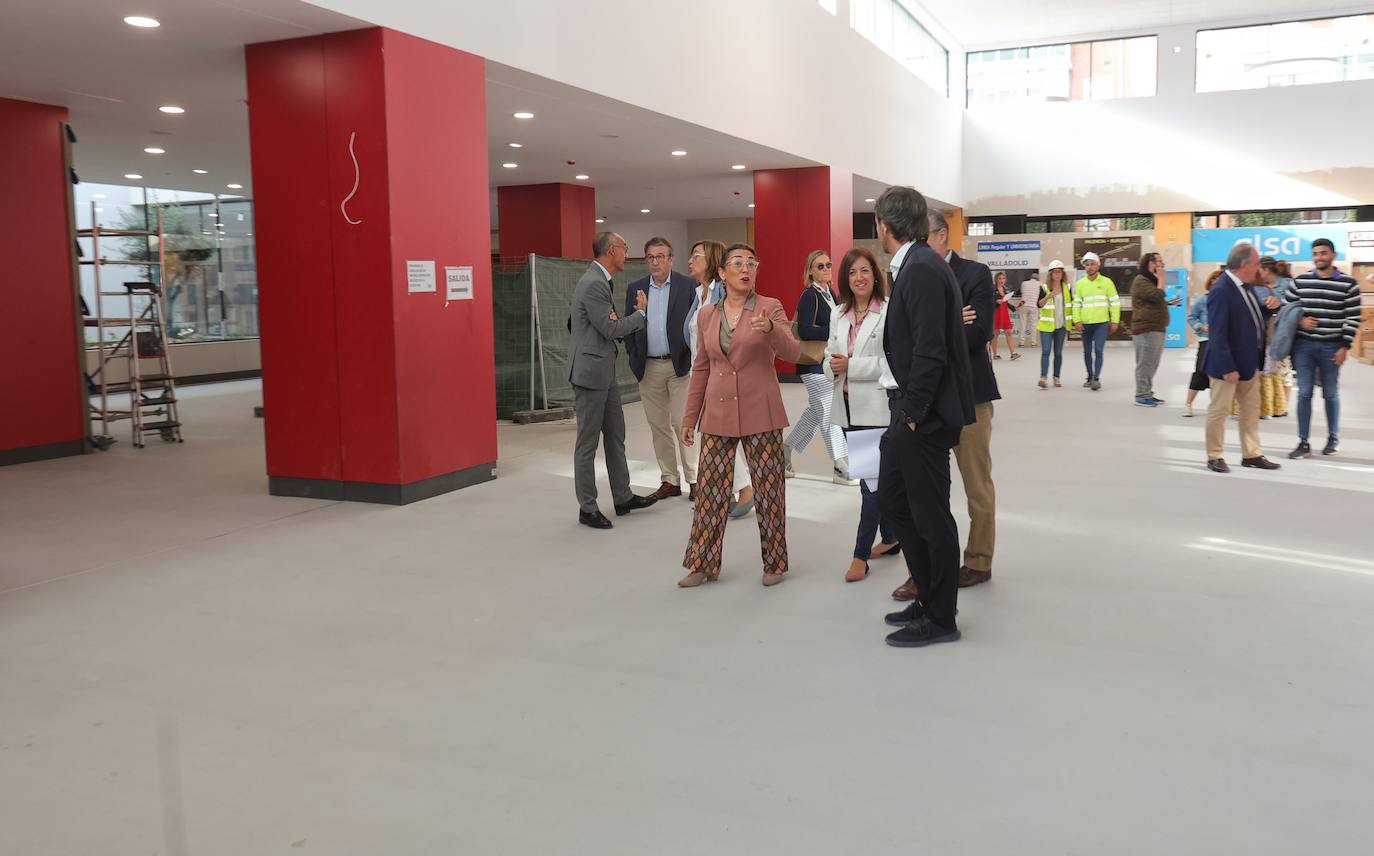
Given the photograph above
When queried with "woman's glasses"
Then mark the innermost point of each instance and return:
(741, 263)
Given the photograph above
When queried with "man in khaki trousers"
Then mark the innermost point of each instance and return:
(974, 452)
(1237, 323)
(661, 359)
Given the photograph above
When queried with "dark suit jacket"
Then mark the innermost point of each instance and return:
(813, 323)
(681, 294)
(926, 345)
(1235, 339)
(975, 284)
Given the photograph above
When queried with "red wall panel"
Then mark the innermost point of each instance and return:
(40, 375)
(445, 353)
(548, 219)
(292, 206)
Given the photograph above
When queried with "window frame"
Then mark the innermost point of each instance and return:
(1067, 46)
(1197, 66)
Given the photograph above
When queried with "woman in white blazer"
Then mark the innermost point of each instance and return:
(854, 363)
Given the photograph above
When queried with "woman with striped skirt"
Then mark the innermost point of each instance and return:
(812, 320)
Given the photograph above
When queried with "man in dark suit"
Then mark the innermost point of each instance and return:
(661, 359)
(931, 403)
(592, 352)
(1237, 323)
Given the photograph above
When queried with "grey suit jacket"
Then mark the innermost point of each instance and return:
(592, 351)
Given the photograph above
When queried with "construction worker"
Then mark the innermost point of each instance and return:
(1096, 311)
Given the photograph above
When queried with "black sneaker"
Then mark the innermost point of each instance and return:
(921, 633)
(1302, 451)
(913, 612)
(1333, 443)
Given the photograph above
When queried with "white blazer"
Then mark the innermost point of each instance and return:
(867, 396)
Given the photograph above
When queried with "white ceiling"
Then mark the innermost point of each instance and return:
(1002, 23)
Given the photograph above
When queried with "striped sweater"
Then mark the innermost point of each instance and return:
(1334, 301)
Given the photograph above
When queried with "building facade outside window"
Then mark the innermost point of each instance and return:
(895, 30)
(1293, 53)
(1082, 71)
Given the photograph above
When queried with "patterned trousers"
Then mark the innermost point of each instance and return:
(821, 393)
(714, 488)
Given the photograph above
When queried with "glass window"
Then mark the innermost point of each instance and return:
(891, 26)
(976, 227)
(210, 269)
(830, 6)
(1083, 71)
(1328, 50)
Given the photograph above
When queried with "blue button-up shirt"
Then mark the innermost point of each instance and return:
(657, 328)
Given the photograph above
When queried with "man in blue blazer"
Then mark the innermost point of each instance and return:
(661, 358)
(1237, 323)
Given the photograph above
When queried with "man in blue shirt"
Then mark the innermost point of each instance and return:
(661, 358)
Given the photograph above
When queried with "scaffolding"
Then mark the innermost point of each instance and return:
(141, 352)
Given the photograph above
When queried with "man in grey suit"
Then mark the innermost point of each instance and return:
(592, 353)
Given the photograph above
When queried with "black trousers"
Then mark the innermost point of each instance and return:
(913, 490)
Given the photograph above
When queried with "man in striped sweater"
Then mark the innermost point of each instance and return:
(1330, 316)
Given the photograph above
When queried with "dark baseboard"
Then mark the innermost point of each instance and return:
(384, 494)
(219, 377)
(28, 454)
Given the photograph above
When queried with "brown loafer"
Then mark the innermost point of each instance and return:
(905, 591)
(772, 579)
(1218, 465)
(666, 490)
(971, 577)
(851, 576)
(1261, 463)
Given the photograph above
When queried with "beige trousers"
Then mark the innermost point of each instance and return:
(665, 402)
(1246, 394)
(974, 456)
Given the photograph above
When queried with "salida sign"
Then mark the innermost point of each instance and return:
(1289, 243)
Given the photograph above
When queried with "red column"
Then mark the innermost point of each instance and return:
(797, 211)
(548, 219)
(369, 152)
(40, 374)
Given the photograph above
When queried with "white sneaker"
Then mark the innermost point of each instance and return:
(842, 473)
(787, 471)
(1187, 410)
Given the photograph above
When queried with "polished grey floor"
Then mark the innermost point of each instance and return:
(1168, 661)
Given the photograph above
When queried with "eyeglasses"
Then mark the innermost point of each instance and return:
(824, 265)
(656, 257)
(696, 256)
(740, 263)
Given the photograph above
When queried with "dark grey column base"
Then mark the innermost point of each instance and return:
(385, 494)
(29, 454)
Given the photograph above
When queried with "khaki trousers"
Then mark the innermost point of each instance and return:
(665, 402)
(1246, 394)
(974, 455)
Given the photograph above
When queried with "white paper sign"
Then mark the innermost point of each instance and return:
(420, 276)
(459, 282)
(864, 455)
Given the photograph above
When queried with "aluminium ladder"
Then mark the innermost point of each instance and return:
(151, 407)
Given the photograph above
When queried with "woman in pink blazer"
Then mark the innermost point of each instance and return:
(734, 399)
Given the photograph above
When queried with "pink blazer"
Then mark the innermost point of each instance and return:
(738, 395)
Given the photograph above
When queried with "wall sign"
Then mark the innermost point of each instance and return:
(1288, 243)
(420, 276)
(458, 282)
(1010, 255)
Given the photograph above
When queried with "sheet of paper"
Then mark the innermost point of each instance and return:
(863, 455)
(458, 281)
(420, 276)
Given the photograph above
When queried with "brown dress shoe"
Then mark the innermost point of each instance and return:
(666, 490)
(1261, 463)
(692, 492)
(905, 591)
(1218, 465)
(971, 577)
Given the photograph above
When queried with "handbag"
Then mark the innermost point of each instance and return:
(812, 351)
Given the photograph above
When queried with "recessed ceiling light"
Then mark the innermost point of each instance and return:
(524, 114)
(601, 219)
(97, 196)
(738, 166)
(132, 175)
(644, 211)
(234, 186)
(679, 153)
(870, 200)
(144, 23)
(1178, 49)
(173, 109)
(510, 165)
(582, 177)
(154, 150)
(751, 205)
(517, 145)
(200, 171)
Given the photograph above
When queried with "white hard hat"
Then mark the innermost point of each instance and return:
(1055, 264)
(1091, 257)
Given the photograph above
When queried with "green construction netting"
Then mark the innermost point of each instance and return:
(520, 379)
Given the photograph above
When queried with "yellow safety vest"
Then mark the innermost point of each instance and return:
(1096, 301)
(1046, 324)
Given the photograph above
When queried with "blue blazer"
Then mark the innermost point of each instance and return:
(1235, 343)
(681, 297)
